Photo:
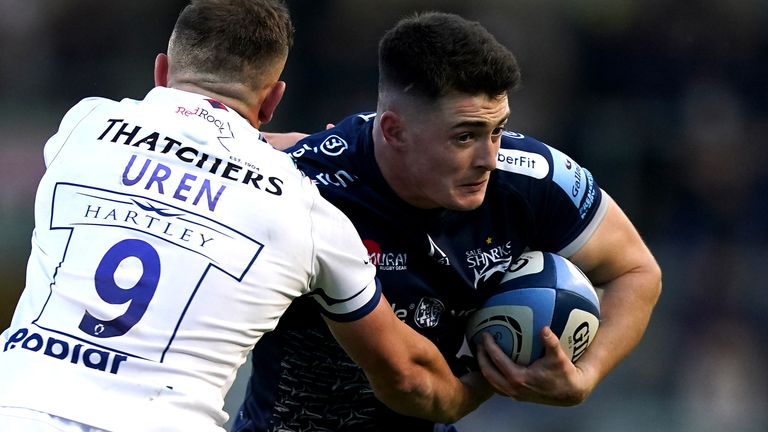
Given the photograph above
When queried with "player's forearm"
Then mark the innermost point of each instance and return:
(407, 371)
(428, 389)
(626, 307)
(617, 260)
(282, 141)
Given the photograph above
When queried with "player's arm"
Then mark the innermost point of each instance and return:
(405, 369)
(616, 260)
(285, 140)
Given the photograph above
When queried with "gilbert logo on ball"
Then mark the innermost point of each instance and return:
(539, 289)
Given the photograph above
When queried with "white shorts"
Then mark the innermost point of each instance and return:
(26, 420)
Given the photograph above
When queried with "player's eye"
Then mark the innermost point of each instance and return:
(497, 131)
(464, 138)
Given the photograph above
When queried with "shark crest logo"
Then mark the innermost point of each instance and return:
(489, 260)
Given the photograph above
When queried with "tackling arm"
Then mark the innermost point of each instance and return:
(285, 140)
(406, 370)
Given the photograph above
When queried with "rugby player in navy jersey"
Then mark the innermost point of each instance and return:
(444, 197)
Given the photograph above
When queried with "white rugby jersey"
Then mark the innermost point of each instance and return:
(169, 237)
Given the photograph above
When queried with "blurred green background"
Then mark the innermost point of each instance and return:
(665, 102)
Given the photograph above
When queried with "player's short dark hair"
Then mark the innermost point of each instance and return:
(231, 39)
(432, 54)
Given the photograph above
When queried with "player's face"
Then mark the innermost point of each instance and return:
(452, 149)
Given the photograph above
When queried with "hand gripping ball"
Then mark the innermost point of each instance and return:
(539, 289)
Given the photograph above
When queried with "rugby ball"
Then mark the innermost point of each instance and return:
(539, 289)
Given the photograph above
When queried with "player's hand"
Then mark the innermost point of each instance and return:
(551, 380)
(285, 140)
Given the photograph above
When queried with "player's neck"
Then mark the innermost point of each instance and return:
(238, 97)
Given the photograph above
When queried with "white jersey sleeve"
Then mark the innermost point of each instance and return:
(168, 239)
(337, 254)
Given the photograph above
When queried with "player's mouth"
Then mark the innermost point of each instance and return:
(474, 187)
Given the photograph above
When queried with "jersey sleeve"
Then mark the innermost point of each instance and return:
(566, 202)
(343, 279)
(576, 195)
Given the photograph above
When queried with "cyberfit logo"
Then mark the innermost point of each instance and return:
(333, 145)
(485, 261)
(385, 261)
(521, 162)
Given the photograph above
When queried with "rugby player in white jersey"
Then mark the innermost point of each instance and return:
(169, 237)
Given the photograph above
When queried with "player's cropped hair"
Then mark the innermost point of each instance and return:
(231, 40)
(433, 53)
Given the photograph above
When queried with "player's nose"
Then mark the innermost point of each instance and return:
(485, 156)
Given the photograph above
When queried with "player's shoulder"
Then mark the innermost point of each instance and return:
(76, 117)
(537, 170)
(340, 159)
(82, 109)
(336, 140)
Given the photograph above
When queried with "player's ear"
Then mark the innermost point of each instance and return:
(269, 105)
(392, 128)
(161, 70)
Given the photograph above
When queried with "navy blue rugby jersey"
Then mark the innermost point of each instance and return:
(431, 266)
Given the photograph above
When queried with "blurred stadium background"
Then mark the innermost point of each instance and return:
(666, 103)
